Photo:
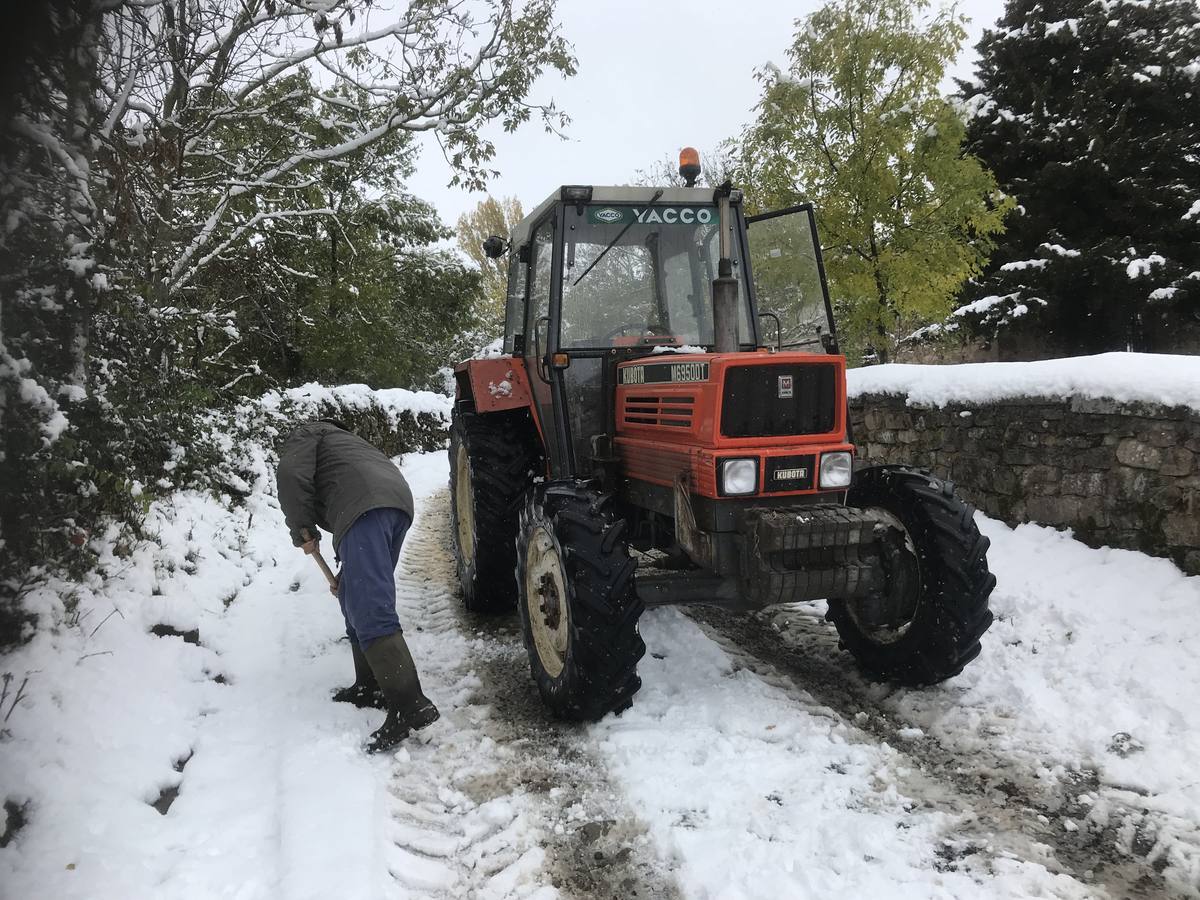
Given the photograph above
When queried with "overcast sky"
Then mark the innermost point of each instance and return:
(654, 76)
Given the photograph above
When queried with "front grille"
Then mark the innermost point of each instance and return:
(756, 400)
(655, 410)
(789, 473)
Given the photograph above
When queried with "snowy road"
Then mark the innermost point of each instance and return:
(754, 763)
(495, 800)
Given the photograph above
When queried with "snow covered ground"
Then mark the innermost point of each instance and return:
(765, 767)
(754, 763)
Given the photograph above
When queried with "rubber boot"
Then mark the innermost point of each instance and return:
(364, 693)
(408, 709)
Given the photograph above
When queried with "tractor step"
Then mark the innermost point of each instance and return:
(664, 587)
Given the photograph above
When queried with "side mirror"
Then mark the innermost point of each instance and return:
(494, 247)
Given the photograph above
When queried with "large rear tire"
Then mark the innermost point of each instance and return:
(925, 626)
(493, 460)
(579, 609)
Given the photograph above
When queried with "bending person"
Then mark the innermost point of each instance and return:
(332, 479)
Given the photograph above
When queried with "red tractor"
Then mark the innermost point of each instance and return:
(639, 443)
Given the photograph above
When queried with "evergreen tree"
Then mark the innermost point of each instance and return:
(858, 125)
(1088, 111)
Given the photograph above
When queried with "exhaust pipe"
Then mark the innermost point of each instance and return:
(724, 286)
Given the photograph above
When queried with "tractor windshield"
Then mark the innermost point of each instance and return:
(642, 276)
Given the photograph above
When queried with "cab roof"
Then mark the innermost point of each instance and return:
(613, 194)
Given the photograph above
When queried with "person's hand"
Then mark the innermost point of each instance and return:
(311, 545)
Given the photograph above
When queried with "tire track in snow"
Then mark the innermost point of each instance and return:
(495, 800)
(1126, 850)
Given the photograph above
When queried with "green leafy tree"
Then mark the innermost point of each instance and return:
(858, 126)
(490, 217)
(402, 326)
(355, 295)
(1089, 114)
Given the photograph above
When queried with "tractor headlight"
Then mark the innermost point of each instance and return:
(836, 469)
(739, 476)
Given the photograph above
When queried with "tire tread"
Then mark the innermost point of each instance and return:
(504, 456)
(600, 674)
(956, 583)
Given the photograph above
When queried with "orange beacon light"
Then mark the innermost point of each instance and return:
(689, 165)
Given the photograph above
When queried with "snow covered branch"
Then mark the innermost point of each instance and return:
(221, 115)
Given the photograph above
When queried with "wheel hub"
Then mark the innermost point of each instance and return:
(550, 605)
(546, 600)
(887, 615)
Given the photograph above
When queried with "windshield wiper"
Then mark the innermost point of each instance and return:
(613, 242)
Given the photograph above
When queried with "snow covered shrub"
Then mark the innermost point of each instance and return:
(114, 450)
(63, 499)
(395, 420)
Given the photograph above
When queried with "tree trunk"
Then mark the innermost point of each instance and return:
(883, 339)
(78, 293)
(333, 258)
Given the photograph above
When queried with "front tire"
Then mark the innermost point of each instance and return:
(492, 462)
(925, 626)
(579, 609)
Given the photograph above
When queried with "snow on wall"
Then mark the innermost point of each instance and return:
(311, 397)
(396, 420)
(1164, 379)
(1108, 446)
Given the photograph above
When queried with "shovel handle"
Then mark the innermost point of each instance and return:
(324, 566)
(329, 576)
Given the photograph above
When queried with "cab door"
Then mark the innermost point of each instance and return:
(541, 340)
(788, 274)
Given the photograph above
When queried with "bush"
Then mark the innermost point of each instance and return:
(69, 490)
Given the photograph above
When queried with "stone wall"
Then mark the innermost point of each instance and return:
(1122, 474)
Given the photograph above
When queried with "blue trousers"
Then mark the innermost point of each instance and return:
(369, 551)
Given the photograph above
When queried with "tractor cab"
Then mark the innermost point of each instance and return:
(637, 275)
(600, 276)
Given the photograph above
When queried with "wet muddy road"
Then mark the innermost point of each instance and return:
(1072, 825)
(584, 839)
(519, 799)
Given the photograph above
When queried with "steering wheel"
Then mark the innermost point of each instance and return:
(647, 331)
(620, 329)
